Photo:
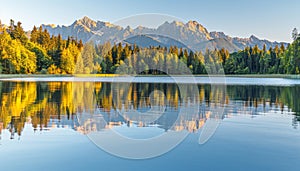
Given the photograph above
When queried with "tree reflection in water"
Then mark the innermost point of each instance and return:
(45, 105)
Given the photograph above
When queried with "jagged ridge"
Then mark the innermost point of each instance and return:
(192, 34)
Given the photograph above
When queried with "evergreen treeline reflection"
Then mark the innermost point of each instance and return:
(58, 104)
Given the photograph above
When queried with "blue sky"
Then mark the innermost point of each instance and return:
(269, 19)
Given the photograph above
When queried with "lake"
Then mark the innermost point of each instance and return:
(149, 123)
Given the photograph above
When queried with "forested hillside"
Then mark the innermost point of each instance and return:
(42, 53)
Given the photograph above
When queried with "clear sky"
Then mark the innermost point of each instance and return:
(269, 19)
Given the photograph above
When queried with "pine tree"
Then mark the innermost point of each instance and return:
(295, 34)
(34, 35)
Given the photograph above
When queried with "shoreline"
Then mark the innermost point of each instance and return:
(263, 80)
(4, 76)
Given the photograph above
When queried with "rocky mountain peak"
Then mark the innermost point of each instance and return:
(140, 27)
(86, 21)
(195, 26)
(108, 24)
(215, 35)
(128, 28)
(178, 23)
(253, 38)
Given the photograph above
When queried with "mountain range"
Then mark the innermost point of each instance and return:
(190, 35)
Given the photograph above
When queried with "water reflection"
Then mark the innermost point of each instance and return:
(45, 105)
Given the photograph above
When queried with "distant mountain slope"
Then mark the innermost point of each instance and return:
(146, 40)
(241, 43)
(191, 34)
(218, 43)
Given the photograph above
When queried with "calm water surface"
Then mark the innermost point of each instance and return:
(43, 124)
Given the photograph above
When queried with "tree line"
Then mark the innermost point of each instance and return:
(41, 53)
(45, 54)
